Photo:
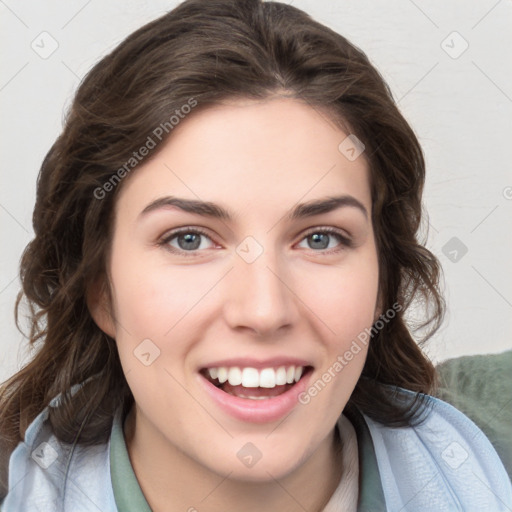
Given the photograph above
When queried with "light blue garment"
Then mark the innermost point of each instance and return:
(444, 464)
(38, 469)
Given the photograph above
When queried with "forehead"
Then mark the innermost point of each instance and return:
(251, 156)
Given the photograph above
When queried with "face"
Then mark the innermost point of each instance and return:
(258, 286)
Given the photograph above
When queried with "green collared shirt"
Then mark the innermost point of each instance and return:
(129, 496)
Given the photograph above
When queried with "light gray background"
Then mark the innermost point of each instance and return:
(459, 105)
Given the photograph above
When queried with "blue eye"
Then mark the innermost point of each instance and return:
(322, 239)
(191, 241)
(186, 240)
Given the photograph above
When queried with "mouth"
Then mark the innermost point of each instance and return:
(255, 392)
(251, 383)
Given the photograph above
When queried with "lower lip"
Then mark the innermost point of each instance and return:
(257, 411)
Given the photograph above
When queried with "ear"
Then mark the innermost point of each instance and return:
(100, 306)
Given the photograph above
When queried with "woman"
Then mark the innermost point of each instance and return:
(225, 251)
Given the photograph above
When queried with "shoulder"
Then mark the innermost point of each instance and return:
(47, 474)
(443, 463)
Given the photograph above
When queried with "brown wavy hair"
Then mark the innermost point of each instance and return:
(209, 50)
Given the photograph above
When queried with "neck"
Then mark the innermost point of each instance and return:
(171, 480)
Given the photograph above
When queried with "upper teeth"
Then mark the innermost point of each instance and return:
(253, 378)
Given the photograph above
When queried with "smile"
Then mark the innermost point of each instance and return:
(256, 394)
(253, 378)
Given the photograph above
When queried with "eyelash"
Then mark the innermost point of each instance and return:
(345, 242)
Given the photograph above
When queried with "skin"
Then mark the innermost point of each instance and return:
(258, 159)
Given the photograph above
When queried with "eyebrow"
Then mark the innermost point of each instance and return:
(209, 209)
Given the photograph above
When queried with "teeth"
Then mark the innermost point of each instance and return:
(281, 376)
(268, 378)
(254, 397)
(222, 374)
(235, 376)
(252, 378)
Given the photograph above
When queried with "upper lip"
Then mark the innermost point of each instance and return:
(250, 362)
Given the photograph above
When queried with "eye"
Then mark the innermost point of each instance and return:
(190, 241)
(187, 240)
(325, 239)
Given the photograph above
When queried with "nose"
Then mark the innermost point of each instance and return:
(260, 297)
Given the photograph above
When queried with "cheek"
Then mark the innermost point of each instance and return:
(343, 298)
(151, 299)
(153, 306)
